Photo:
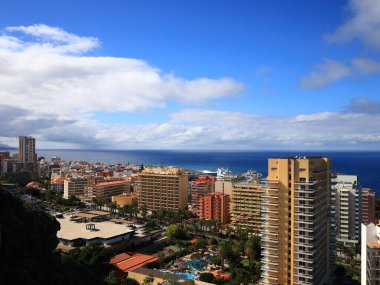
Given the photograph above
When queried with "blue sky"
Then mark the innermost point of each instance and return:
(178, 74)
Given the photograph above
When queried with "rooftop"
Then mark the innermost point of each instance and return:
(161, 170)
(132, 261)
(72, 230)
(119, 182)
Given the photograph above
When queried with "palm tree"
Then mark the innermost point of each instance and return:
(236, 252)
(249, 251)
(223, 251)
(112, 206)
(144, 211)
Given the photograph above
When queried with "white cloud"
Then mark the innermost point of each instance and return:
(49, 87)
(330, 71)
(358, 127)
(363, 24)
(365, 66)
(45, 68)
(324, 74)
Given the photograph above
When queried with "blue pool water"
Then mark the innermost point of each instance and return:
(186, 275)
(196, 264)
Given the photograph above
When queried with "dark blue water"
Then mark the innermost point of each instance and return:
(364, 164)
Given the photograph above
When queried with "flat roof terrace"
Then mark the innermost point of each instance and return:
(71, 230)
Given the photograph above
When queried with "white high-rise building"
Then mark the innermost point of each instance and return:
(370, 254)
(347, 207)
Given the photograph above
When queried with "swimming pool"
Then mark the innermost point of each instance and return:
(196, 264)
(186, 275)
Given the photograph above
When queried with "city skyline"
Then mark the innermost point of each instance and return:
(221, 75)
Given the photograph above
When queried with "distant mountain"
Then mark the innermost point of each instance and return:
(4, 146)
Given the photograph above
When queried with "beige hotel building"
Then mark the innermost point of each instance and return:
(296, 235)
(163, 187)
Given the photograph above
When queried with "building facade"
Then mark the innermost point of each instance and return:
(370, 254)
(214, 206)
(27, 149)
(368, 206)
(200, 187)
(347, 207)
(106, 189)
(246, 205)
(296, 235)
(75, 186)
(163, 187)
(57, 184)
(125, 199)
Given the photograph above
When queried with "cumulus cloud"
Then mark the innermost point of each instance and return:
(50, 86)
(363, 24)
(47, 68)
(358, 127)
(324, 74)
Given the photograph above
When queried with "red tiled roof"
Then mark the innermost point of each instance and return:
(119, 258)
(221, 275)
(134, 261)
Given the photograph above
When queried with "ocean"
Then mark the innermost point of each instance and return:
(364, 164)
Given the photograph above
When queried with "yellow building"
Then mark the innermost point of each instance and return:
(163, 187)
(246, 205)
(106, 189)
(75, 186)
(125, 199)
(296, 235)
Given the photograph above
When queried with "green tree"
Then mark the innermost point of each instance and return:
(148, 280)
(175, 232)
(144, 211)
(207, 277)
(171, 278)
(111, 279)
(224, 250)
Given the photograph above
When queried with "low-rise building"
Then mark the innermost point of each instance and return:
(125, 199)
(57, 184)
(76, 233)
(106, 189)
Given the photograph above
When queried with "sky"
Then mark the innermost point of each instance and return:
(224, 75)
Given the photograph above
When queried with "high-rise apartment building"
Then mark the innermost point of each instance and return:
(163, 187)
(246, 205)
(347, 207)
(214, 206)
(296, 236)
(368, 206)
(27, 149)
(200, 187)
(370, 254)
